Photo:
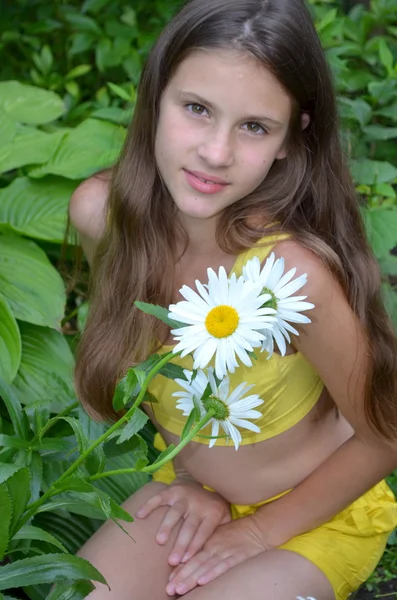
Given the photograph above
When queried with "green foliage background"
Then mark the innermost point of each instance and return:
(69, 72)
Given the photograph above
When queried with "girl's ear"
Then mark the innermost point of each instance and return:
(305, 120)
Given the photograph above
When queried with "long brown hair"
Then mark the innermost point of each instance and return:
(309, 193)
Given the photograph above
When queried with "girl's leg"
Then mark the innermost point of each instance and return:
(272, 575)
(135, 569)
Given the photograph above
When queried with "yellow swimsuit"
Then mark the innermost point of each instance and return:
(348, 547)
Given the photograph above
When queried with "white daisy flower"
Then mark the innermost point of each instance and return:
(271, 280)
(226, 318)
(231, 411)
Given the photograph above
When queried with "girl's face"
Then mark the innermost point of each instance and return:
(223, 122)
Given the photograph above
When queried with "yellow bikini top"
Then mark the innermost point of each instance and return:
(288, 385)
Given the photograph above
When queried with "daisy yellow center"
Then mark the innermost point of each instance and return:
(221, 409)
(222, 321)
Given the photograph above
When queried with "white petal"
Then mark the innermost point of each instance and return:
(292, 287)
(245, 424)
(214, 432)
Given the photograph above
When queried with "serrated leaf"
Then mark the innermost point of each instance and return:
(37, 209)
(18, 486)
(29, 104)
(164, 454)
(135, 424)
(74, 483)
(47, 569)
(46, 369)
(88, 148)
(67, 590)
(159, 312)
(30, 532)
(10, 343)
(32, 287)
(14, 408)
(11, 441)
(5, 521)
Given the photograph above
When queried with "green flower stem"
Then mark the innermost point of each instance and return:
(31, 509)
(155, 466)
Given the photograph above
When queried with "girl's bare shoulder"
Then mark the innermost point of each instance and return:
(88, 206)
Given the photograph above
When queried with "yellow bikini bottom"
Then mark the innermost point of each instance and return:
(346, 548)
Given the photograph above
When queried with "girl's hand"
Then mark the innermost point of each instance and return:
(228, 546)
(201, 510)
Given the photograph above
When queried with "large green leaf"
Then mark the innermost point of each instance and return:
(8, 127)
(18, 418)
(37, 208)
(10, 342)
(47, 569)
(88, 148)
(29, 146)
(73, 530)
(46, 366)
(29, 104)
(32, 287)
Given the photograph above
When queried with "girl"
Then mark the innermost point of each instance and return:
(233, 152)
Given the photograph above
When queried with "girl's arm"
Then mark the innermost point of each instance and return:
(336, 345)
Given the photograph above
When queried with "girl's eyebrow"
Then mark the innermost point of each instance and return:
(193, 96)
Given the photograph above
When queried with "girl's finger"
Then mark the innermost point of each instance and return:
(214, 571)
(185, 536)
(149, 506)
(203, 533)
(187, 581)
(172, 517)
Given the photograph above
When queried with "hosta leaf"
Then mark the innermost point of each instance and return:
(73, 530)
(28, 147)
(47, 569)
(381, 225)
(31, 285)
(29, 104)
(8, 127)
(91, 146)
(14, 408)
(10, 342)
(46, 367)
(37, 208)
(67, 590)
(29, 532)
(5, 521)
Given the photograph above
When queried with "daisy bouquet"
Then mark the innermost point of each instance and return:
(221, 324)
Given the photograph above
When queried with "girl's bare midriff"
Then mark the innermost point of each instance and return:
(263, 470)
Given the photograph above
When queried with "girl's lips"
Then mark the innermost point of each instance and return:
(205, 187)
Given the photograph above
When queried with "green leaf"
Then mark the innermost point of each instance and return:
(159, 312)
(10, 343)
(135, 424)
(37, 208)
(74, 483)
(377, 132)
(371, 172)
(29, 532)
(88, 148)
(18, 418)
(386, 190)
(5, 521)
(7, 471)
(173, 371)
(18, 486)
(46, 367)
(32, 287)
(66, 590)
(47, 569)
(192, 418)
(8, 441)
(83, 23)
(126, 389)
(381, 225)
(29, 104)
(120, 92)
(386, 56)
(94, 6)
(78, 71)
(164, 453)
(29, 147)
(356, 109)
(328, 18)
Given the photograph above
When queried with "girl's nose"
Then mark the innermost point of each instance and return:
(217, 149)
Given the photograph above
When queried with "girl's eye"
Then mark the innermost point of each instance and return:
(255, 128)
(196, 109)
